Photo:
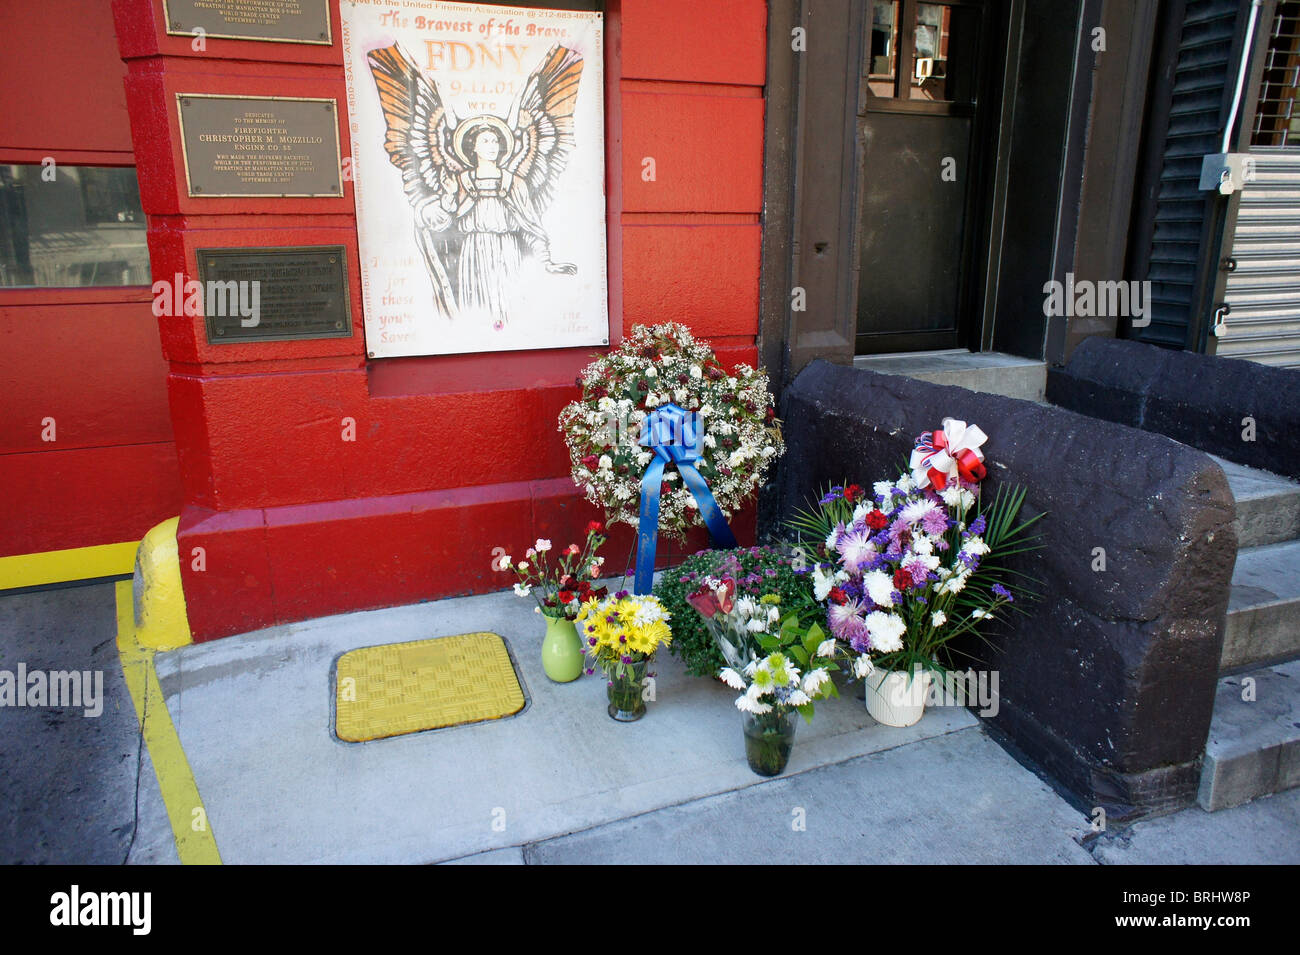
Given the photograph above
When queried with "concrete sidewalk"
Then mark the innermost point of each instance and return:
(558, 783)
(253, 714)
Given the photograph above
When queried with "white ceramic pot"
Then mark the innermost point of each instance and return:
(895, 700)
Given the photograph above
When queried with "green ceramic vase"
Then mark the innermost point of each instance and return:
(562, 650)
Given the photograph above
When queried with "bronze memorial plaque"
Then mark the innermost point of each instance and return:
(260, 146)
(275, 294)
(279, 21)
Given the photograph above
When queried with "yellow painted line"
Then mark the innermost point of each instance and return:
(61, 566)
(195, 843)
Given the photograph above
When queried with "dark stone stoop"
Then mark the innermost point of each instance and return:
(1109, 684)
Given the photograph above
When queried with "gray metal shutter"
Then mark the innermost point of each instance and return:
(1196, 117)
(1264, 290)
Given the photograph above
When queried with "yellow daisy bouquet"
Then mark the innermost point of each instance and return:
(622, 630)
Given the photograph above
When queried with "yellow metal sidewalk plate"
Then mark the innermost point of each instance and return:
(426, 684)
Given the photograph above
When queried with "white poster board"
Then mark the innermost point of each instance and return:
(478, 164)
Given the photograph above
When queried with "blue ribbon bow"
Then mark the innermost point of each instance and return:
(676, 437)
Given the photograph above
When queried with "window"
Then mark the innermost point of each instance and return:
(937, 55)
(71, 226)
(1277, 120)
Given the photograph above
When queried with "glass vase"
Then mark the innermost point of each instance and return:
(769, 737)
(626, 691)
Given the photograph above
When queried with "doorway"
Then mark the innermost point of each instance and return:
(926, 129)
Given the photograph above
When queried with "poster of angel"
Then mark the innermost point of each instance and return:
(478, 165)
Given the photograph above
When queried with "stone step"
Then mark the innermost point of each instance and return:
(1254, 744)
(1264, 607)
(1268, 505)
(991, 372)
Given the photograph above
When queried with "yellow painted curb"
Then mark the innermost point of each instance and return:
(195, 843)
(62, 566)
(161, 622)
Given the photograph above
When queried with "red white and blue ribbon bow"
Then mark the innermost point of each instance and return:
(945, 456)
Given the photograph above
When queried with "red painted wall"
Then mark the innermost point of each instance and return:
(454, 455)
(89, 357)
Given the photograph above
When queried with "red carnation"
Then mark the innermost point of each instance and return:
(595, 527)
(590, 462)
(902, 579)
(877, 520)
(838, 595)
(566, 596)
(853, 493)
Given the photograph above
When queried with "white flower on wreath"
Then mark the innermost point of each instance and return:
(606, 462)
(650, 371)
(697, 371)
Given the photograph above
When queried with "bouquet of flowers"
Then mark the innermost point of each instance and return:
(562, 585)
(765, 569)
(913, 566)
(779, 667)
(656, 366)
(620, 634)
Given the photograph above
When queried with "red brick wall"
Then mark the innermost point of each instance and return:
(453, 454)
(88, 357)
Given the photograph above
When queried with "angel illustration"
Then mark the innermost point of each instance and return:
(479, 185)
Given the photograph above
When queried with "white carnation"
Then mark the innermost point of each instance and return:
(880, 587)
(886, 631)
(822, 584)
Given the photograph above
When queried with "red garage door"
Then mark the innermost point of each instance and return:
(86, 451)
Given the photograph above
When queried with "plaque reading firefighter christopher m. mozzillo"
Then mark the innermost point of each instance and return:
(478, 158)
(265, 146)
